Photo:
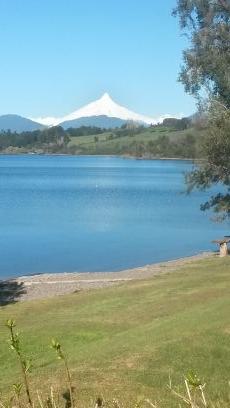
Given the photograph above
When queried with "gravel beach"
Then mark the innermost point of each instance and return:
(48, 285)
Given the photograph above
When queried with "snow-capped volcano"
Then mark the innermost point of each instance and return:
(104, 106)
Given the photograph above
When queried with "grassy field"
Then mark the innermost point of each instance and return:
(148, 134)
(108, 143)
(124, 341)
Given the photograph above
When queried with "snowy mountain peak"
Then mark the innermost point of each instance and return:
(104, 106)
(105, 97)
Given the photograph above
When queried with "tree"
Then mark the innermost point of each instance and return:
(206, 71)
(177, 124)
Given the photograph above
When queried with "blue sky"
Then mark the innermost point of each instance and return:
(58, 55)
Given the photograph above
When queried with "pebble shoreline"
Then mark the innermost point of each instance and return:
(48, 285)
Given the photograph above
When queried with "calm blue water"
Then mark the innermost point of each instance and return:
(96, 213)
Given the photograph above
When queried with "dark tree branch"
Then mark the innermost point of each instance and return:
(225, 4)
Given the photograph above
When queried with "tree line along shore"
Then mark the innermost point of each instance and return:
(174, 138)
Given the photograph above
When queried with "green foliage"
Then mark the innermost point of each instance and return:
(206, 68)
(215, 169)
(84, 131)
(177, 124)
(57, 347)
(207, 61)
(193, 379)
(50, 139)
(25, 364)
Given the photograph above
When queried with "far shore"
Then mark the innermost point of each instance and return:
(43, 286)
(121, 156)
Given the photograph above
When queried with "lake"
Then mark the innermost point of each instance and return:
(69, 213)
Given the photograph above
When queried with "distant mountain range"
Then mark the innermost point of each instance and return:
(103, 112)
(18, 124)
(101, 121)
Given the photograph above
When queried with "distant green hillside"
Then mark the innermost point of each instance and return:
(151, 142)
(129, 140)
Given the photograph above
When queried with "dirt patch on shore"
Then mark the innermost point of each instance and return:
(49, 285)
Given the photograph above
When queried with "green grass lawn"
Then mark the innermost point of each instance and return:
(124, 341)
